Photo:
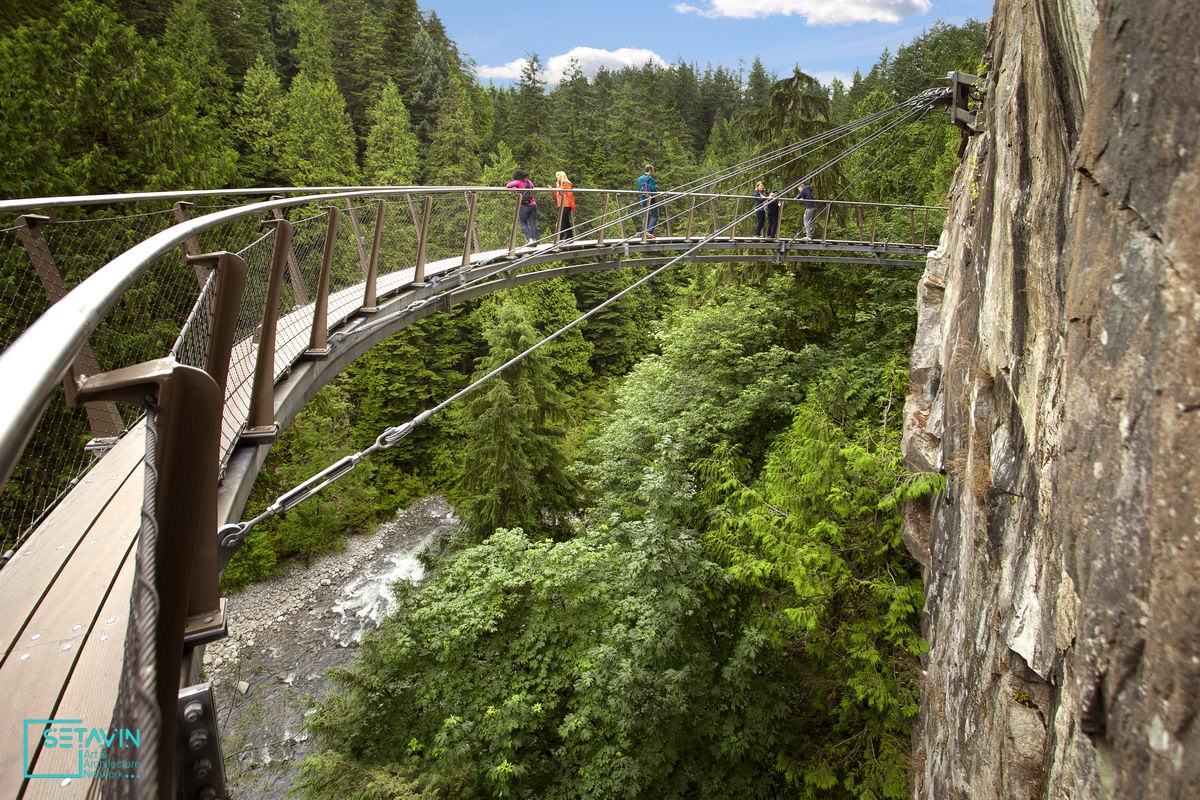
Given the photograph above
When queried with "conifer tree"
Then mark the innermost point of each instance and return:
(190, 42)
(758, 86)
(391, 155)
(257, 125)
(453, 151)
(111, 117)
(318, 142)
(429, 76)
(528, 126)
(514, 471)
(815, 544)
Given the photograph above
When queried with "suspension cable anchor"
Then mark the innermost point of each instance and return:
(392, 436)
(230, 536)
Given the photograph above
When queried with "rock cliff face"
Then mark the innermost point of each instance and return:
(1056, 381)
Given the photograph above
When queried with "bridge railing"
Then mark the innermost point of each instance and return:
(54, 244)
(155, 311)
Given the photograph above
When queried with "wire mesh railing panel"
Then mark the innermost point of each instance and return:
(495, 213)
(399, 237)
(191, 348)
(447, 227)
(300, 288)
(82, 246)
(39, 263)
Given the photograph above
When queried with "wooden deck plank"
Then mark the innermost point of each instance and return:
(64, 534)
(92, 695)
(48, 648)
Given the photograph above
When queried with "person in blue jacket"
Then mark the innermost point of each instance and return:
(646, 191)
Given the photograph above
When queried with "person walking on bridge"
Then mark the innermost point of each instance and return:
(760, 209)
(564, 198)
(772, 203)
(646, 191)
(810, 211)
(527, 216)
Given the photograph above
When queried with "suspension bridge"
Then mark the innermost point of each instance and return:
(156, 344)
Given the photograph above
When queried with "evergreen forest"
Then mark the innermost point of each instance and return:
(680, 572)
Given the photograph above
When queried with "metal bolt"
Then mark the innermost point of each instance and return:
(193, 711)
(198, 739)
(202, 769)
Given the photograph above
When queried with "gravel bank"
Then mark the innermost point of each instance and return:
(286, 632)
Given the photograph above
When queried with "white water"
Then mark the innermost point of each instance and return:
(366, 598)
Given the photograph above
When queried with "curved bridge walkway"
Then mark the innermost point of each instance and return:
(110, 588)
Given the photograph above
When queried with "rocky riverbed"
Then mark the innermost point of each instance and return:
(287, 632)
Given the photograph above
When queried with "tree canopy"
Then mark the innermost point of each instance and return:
(682, 575)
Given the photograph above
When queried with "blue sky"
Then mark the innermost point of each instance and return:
(825, 38)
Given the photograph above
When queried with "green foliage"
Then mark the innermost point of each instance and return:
(307, 23)
(513, 467)
(190, 41)
(398, 379)
(318, 437)
(499, 167)
(453, 148)
(317, 141)
(257, 124)
(548, 305)
(114, 116)
(391, 155)
(331, 774)
(603, 666)
(730, 370)
(816, 541)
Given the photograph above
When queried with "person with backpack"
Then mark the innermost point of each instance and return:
(646, 191)
(527, 216)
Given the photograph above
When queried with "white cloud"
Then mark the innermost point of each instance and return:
(817, 12)
(590, 60)
(510, 70)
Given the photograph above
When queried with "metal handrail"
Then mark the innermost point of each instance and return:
(42, 356)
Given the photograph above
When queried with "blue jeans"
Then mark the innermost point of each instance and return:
(652, 220)
(528, 219)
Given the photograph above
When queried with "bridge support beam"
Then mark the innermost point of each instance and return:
(370, 297)
(470, 233)
(296, 278)
(260, 424)
(104, 420)
(176, 578)
(318, 340)
(191, 245)
(422, 242)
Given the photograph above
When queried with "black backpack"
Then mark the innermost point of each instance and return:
(527, 197)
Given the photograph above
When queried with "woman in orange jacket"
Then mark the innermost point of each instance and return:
(565, 199)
